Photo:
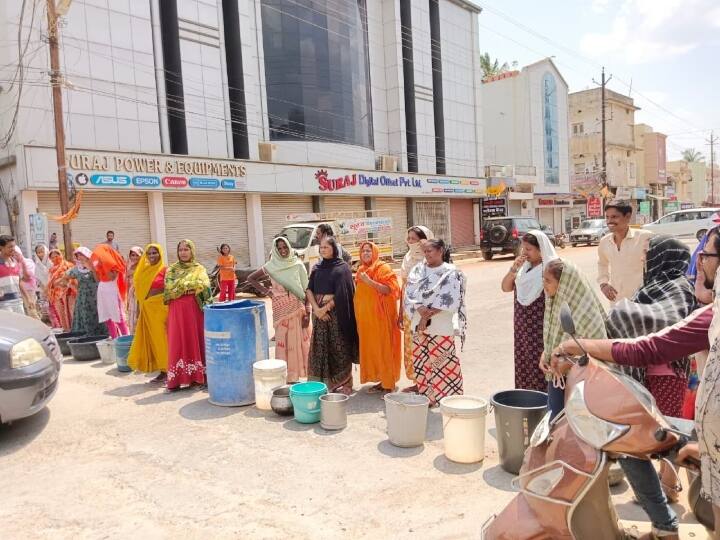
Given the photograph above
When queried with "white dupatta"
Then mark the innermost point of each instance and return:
(529, 280)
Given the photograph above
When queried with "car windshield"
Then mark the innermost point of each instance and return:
(592, 224)
(299, 237)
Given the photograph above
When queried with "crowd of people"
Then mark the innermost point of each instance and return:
(659, 316)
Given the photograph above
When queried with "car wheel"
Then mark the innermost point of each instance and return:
(573, 244)
(700, 234)
(487, 255)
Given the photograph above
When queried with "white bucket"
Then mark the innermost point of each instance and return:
(406, 418)
(464, 428)
(106, 348)
(268, 375)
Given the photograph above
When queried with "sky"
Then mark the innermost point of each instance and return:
(663, 53)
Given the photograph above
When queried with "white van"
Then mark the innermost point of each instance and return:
(692, 223)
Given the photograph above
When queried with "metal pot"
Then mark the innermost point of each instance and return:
(280, 401)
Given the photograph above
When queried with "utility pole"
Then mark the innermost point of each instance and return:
(711, 141)
(55, 82)
(603, 121)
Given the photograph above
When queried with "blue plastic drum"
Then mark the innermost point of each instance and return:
(236, 336)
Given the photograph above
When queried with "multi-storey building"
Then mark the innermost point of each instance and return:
(215, 119)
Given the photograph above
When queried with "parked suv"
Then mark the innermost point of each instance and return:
(503, 235)
(693, 223)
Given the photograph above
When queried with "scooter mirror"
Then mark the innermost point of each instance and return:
(566, 319)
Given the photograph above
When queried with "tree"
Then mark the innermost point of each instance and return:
(692, 156)
(491, 67)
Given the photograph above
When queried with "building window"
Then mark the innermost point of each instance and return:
(317, 71)
(578, 129)
(551, 144)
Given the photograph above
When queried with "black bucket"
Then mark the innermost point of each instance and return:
(63, 339)
(517, 413)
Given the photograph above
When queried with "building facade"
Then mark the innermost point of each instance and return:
(525, 116)
(216, 119)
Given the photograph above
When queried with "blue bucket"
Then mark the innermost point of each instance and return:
(122, 350)
(236, 336)
(305, 398)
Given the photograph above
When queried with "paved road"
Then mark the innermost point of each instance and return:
(113, 457)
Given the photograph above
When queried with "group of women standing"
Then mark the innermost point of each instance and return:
(360, 319)
(542, 283)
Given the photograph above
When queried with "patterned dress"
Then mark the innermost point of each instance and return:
(528, 324)
(85, 316)
(292, 341)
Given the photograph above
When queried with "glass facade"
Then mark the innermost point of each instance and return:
(317, 70)
(551, 139)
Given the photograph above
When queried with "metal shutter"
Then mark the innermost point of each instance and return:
(337, 203)
(208, 219)
(396, 208)
(125, 213)
(434, 216)
(275, 209)
(461, 221)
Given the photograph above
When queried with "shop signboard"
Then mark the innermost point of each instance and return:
(644, 208)
(494, 207)
(125, 171)
(38, 230)
(624, 193)
(640, 193)
(671, 206)
(686, 206)
(594, 207)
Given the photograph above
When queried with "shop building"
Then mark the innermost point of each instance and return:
(215, 120)
(525, 116)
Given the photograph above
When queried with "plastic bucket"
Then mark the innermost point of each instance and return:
(106, 348)
(406, 418)
(333, 411)
(517, 413)
(63, 339)
(236, 337)
(122, 349)
(268, 375)
(464, 428)
(305, 398)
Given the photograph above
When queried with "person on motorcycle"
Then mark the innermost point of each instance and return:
(698, 332)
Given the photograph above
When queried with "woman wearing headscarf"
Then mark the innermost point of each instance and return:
(525, 279)
(149, 350)
(132, 304)
(564, 284)
(334, 345)
(187, 292)
(435, 305)
(376, 294)
(28, 286)
(416, 237)
(85, 316)
(291, 310)
(666, 297)
(61, 292)
(110, 271)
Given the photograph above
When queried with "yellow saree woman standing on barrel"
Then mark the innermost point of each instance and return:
(149, 351)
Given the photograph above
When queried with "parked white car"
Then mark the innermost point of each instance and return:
(692, 223)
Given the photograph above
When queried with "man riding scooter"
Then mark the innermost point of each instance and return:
(698, 332)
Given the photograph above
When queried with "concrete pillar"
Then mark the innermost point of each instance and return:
(256, 243)
(156, 208)
(476, 222)
(317, 204)
(410, 207)
(28, 205)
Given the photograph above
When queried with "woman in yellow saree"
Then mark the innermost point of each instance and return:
(149, 351)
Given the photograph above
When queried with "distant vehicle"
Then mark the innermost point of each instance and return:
(692, 223)
(503, 235)
(589, 232)
(30, 361)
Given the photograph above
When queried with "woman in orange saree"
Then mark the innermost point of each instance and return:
(61, 292)
(376, 313)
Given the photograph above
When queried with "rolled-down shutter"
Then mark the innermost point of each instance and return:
(434, 216)
(208, 219)
(125, 213)
(396, 208)
(461, 221)
(275, 209)
(338, 203)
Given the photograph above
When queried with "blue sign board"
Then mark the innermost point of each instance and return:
(205, 183)
(110, 180)
(146, 181)
(228, 184)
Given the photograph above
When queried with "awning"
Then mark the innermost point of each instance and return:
(658, 197)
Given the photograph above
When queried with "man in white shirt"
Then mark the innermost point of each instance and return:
(621, 253)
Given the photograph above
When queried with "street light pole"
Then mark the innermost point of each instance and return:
(56, 81)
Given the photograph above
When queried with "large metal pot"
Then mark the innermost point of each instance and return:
(280, 401)
(85, 348)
